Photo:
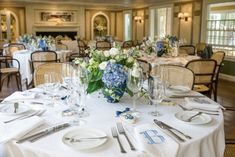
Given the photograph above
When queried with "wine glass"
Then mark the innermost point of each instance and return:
(51, 82)
(155, 93)
(135, 82)
(80, 80)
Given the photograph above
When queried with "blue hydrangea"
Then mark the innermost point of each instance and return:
(114, 75)
(160, 45)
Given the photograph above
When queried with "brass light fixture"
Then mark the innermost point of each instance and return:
(183, 16)
(138, 19)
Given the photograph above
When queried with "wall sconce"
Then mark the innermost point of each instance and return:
(184, 16)
(138, 19)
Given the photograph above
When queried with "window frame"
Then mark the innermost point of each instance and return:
(222, 33)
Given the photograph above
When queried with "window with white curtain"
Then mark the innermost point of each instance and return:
(160, 21)
(127, 25)
(221, 30)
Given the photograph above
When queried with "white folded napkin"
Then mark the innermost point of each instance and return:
(202, 103)
(18, 128)
(153, 141)
(21, 95)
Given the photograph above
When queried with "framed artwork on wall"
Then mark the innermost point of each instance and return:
(56, 16)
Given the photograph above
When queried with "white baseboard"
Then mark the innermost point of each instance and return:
(227, 77)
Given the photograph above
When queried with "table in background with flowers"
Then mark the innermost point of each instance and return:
(180, 60)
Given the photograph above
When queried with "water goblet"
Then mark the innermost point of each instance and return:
(155, 93)
(134, 83)
(80, 80)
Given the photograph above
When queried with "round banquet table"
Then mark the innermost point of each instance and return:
(207, 140)
(24, 56)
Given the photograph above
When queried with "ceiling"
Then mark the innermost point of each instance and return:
(92, 3)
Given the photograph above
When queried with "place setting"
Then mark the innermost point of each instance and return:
(11, 111)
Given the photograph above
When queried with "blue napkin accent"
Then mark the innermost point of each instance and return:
(118, 113)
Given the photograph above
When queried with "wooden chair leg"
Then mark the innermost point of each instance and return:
(215, 91)
(0, 82)
(18, 81)
(8, 80)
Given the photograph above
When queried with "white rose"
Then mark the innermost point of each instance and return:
(135, 72)
(106, 53)
(99, 52)
(112, 61)
(91, 61)
(76, 61)
(113, 51)
(103, 65)
(83, 64)
(136, 65)
(130, 59)
(125, 51)
(117, 57)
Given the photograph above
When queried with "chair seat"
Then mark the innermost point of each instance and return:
(8, 70)
(201, 88)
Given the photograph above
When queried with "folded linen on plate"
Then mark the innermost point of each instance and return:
(18, 128)
(153, 141)
(21, 95)
(202, 103)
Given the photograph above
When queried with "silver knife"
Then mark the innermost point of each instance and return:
(169, 127)
(184, 96)
(160, 124)
(48, 132)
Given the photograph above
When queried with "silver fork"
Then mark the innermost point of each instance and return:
(122, 131)
(205, 111)
(85, 138)
(191, 118)
(21, 117)
(16, 106)
(115, 135)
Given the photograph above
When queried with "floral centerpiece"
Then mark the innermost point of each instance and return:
(148, 46)
(100, 29)
(36, 42)
(164, 45)
(108, 71)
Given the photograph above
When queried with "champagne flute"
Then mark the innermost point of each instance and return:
(155, 94)
(134, 83)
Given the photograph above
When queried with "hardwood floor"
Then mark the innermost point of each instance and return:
(226, 97)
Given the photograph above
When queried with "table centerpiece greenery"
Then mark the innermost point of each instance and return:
(107, 70)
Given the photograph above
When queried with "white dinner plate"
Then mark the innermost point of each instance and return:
(179, 89)
(200, 119)
(8, 108)
(84, 133)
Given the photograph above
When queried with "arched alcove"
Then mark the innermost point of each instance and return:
(9, 25)
(99, 25)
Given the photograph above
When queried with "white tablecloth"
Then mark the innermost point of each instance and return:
(24, 56)
(207, 140)
(180, 60)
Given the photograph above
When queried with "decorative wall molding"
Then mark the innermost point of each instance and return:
(227, 77)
